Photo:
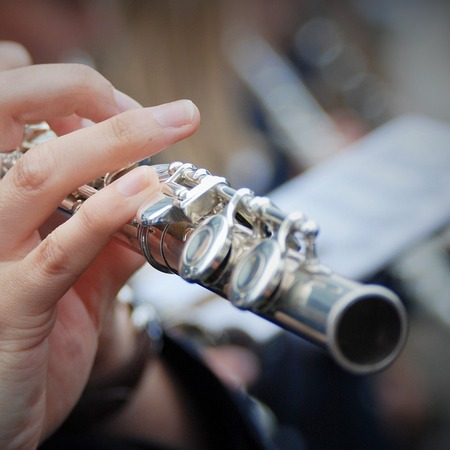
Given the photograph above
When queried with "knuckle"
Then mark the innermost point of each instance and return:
(90, 218)
(52, 257)
(85, 84)
(31, 174)
(122, 130)
(83, 76)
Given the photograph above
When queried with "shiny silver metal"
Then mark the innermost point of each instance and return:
(248, 251)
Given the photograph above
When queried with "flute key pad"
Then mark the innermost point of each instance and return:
(257, 275)
(206, 249)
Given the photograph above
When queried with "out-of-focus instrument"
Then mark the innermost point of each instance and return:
(245, 249)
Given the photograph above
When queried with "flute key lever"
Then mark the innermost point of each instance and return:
(245, 249)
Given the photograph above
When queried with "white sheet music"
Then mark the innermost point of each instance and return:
(387, 192)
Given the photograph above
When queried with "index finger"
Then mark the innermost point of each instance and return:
(44, 92)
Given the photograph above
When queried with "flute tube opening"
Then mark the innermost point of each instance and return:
(370, 332)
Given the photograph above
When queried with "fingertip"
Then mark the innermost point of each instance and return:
(196, 117)
(13, 55)
(191, 109)
(135, 181)
(176, 114)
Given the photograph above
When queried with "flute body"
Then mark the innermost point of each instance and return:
(245, 249)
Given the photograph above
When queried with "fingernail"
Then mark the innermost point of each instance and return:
(175, 114)
(85, 123)
(125, 102)
(133, 182)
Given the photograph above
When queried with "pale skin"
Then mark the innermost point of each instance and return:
(56, 292)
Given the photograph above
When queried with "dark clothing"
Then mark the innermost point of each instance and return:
(317, 405)
(333, 409)
(230, 418)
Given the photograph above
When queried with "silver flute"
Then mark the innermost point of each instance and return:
(245, 249)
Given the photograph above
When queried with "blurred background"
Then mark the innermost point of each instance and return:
(339, 109)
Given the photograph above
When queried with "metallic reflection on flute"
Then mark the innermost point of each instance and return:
(245, 249)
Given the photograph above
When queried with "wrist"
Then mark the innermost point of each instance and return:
(117, 373)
